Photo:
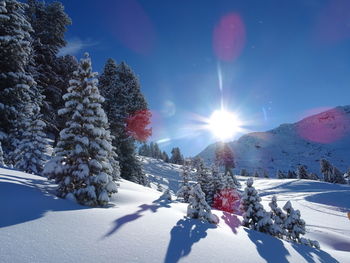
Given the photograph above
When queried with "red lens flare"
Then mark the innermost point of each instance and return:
(227, 200)
(136, 125)
(229, 37)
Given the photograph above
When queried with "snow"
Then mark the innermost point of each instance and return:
(290, 145)
(139, 226)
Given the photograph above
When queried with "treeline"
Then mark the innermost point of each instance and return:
(152, 150)
(330, 174)
(94, 121)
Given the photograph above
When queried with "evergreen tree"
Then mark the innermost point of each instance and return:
(176, 156)
(30, 154)
(224, 157)
(326, 170)
(280, 175)
(302, 172)
(254, 214)
(294, 225)
(2, 163)
(206, 182)
(256, 174)
(49, 22)
(165, 157)
(17, 86)
(82, 163)
(198, 207)
(244, 172)
(266, 175)
(338, 176)
(184, 192)
(278, 218)
(291, 175)
(120, 85)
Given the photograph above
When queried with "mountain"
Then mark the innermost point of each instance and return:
(139, 226)
(324, 135)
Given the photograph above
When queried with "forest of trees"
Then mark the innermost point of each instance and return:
(153, 150)
(92, 122)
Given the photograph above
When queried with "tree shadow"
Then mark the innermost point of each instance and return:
(156, 204)
(270, 248)
(24, 201)
(232, 221)
(306, 252)
(183, 236)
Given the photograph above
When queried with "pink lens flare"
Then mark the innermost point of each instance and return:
(327, 127)
(136, 125)
(133, 27)
(229, 37)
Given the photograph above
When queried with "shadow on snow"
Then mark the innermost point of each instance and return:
(183, 236)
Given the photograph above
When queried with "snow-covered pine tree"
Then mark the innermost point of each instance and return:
(313, 176)
(302, 172)
(254, 214)
(198, 208)
(30, 153)
(278, 218)
(2, 163)
(184, 192)
(49, 22)
(81, 165)
(17, 86)
(280, 175)
(206, 181)
(294, 225)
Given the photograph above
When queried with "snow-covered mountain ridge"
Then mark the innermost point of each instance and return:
(324, 135)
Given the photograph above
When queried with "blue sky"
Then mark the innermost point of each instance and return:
(287, 58)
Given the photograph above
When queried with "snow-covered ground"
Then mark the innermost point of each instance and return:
(138, 226)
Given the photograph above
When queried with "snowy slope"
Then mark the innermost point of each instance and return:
(139, 227)
(325, 135)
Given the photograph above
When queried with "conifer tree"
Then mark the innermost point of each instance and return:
(302, 172)
(198, 207)
(326, 170)
(294, 225)
(278, 218)
(176, 156)
(165, 157)
(49, 22)
(30, 154)
(121, 86)
(2, 163)
(82, 163)
(244, 172)
(338, 176)
(254, 214)
(184, 192)
(17, 86)
(266, 174)
(224, 157)
(256, 174)
(280, 174)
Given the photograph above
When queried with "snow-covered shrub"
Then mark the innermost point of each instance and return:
(302, 172)
(278, 218)
(254, 214)
(294, 225)
(183, 193)
(198, 208)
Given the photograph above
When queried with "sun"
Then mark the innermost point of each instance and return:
(223, 124)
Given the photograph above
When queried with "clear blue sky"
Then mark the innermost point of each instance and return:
(279, 59)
